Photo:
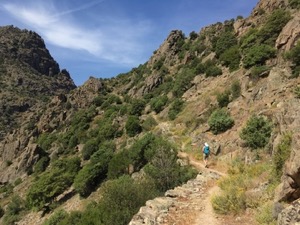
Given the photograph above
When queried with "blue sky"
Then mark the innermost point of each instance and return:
(103, 38)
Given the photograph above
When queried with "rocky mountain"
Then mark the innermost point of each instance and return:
(29, 78)
(234, 84)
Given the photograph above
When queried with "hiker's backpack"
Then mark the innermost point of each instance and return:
(206, 150)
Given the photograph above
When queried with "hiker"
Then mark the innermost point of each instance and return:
(206, 152)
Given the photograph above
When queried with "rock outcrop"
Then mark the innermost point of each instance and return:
(290, 215)
(157, 211)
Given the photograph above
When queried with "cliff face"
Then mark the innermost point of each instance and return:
(29, 77)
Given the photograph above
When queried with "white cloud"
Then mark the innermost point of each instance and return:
(118, 40)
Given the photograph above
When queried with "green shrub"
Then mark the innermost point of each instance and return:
(282, 153)
(176, 108)
(231, 58)
(249, 39)
(294, 56)
(164, 168)
(45, 140)
(273, 26)
(297, 91)
(193, 35)
(110, 100)
(183, 81)
(295, 4)
(213, 71)
(157, 104)
(225, 41)
(56, 218)
(41, 165)
(96, 171)
(258, 55)
(138, 155)
(235, 197)
(264, 214)
(137, 107)
(257, 132)
(223, 99)
(220, 121)
(119, 165)
(232, 201)
(52, 182)
(17, 182)
(89, 148)
(121, 199)
(14, 210)
(161, 158)
(235, 89)
(257, 71)
(133, 126)
(149, 123)
(98, 101)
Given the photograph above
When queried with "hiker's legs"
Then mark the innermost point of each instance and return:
(205, 159)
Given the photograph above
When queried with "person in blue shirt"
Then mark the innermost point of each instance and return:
(206, 152)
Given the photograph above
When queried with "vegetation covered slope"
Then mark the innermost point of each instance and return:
(114, 142)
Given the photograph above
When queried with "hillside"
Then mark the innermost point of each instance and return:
(95, 154)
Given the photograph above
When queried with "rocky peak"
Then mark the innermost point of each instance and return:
(167, 52)
(27, 47)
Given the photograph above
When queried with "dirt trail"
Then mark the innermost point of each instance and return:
(206, 214)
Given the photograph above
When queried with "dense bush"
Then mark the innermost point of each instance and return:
(52, 182)
(121, 199)
(213, 71)
(231, 58)
(110, 100)
(295, 4)
(257, 132)
(282, 153)
(225, 41)
(157, 104)
(149, 123)
(98, 101)
(220, 121)
(45, 140)
(294, 56)
(183, 81)
(272, 28)
(77, 130)
(138, 155)
(89, 148)
(193, 35)
(96, 171)
(176, 108)
(164, 169)
(14, 210)
(137, 107)
(223, 99)
(258, 55)
(119, 164)
(57, 218)
(235, 89)
(41, 165)
(133, 126)
(257, 71)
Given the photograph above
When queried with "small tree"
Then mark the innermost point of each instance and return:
(133, 126)
(257, 132)
(223, 99)
(220, 121)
